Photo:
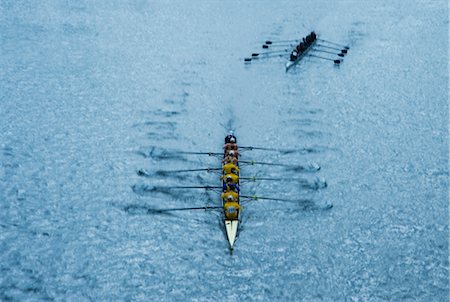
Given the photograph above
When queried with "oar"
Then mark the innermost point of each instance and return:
(335, 61)
(334, 43)
(309, 203)
(201, 153)
(255, 54)
(282, 151)
(290, 167)
(254, 178)
(254, 197)
(265, 46)
(338, 54)
(159, 211)
(329, 47)
(162, 172)
(156, 188)
(282, 41)
(264, 57)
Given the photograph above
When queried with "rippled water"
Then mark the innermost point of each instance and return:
(97, 98)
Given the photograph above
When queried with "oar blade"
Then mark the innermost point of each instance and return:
(254, 197)
(162, 211)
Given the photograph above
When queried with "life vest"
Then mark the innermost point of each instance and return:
(230, 168)
(231, 209)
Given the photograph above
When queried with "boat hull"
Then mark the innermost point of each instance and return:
(300, 57)
(231, 227)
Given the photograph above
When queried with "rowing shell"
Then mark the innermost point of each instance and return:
(231, 225)
(301, 56)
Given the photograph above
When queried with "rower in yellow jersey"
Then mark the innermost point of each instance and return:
(226, 196)
(231, 208)
(230, 168)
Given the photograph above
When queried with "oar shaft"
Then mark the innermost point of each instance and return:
(334, 48)
(273, 179)
(265, 46)
(187, 187)
(254, 197)
(325, 51)
(328, 59)
(281, 41)
(334, 43)
(188, 170)
(156, 211)
(264, 57)
(268, 52)
(201, 153)
(282, 151)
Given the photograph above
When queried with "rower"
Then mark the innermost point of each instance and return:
(231, 178)
(301, 47)
(231, 209)
(230, 168)
(230, 186)
(294, 56)
(230, 183)
(234, 153)
(230, 195)
(230, 146)
(230, 159)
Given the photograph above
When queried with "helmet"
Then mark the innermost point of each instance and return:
(229, 178)
(232, 140)
(231, 153)
(230, 198)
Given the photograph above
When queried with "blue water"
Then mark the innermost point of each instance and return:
(93, 92)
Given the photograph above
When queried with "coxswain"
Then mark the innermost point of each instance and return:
(231, 209)
(313, 35)
(294, 55)
(230, 194)
(230, 169)
(230, 138)
(231, 178)
(230, 159)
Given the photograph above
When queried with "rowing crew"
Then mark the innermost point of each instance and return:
(303, 45)
(230, 178)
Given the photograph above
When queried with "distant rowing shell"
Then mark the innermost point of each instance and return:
(292, 63)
